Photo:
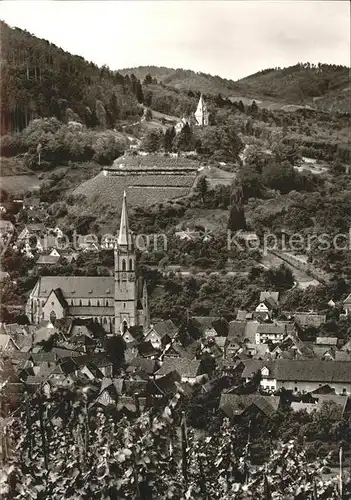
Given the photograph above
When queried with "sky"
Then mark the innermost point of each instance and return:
(232, 39)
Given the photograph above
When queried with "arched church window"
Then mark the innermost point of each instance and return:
(106, 303)
(123, 265)
(52, 316)
(98, 303)
(124, 326)
(131, 264)
(105, 321)
(80, 302)
(89, 303)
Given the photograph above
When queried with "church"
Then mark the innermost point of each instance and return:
(117, 302)
(201, 113)
(199, 119)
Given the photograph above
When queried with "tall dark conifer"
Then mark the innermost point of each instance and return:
(237, 219)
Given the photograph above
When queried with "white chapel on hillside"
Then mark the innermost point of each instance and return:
(201, 113)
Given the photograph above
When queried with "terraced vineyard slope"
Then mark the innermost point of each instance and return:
(147, 179)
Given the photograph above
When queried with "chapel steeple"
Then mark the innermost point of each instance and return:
(201, 113)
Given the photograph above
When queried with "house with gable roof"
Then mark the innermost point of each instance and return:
(269, 302)
(187, 369)
(235, 405)
(301, 375)
(270, 332)
(327, 341)
(7, 344)
(48, 260)
(161, 334)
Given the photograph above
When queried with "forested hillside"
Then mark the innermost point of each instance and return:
(183, 79)
(302, 83)
(39, 79)
(323, 86)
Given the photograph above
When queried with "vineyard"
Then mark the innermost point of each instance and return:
(61, 445)
(142, 190)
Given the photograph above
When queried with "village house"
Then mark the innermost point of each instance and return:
(48, 260)
(188, 370)
(236, 406)
(110, 391)
(7, 344)
(251, 330)
(291, 347)
(147, 350)
(208, 326)
(270, 332)
(267, 305)
(236, 331)
(35, 237)
(257, 351)
(177, 350)
(300, 375)
(326, 341)
(93, 366)
(162, 333)
(243, 315)
(33, 229)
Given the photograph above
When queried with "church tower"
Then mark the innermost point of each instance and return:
(126, 313)
(201, 113)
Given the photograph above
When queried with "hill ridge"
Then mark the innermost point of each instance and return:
(322, 86)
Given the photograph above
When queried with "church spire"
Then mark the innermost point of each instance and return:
(126, 299)
(201, 113)
(124, 236)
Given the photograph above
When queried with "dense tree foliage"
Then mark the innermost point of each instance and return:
(39, 79)
(62, 143)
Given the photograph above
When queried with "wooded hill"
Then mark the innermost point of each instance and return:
(323, 86)
(39, 79)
